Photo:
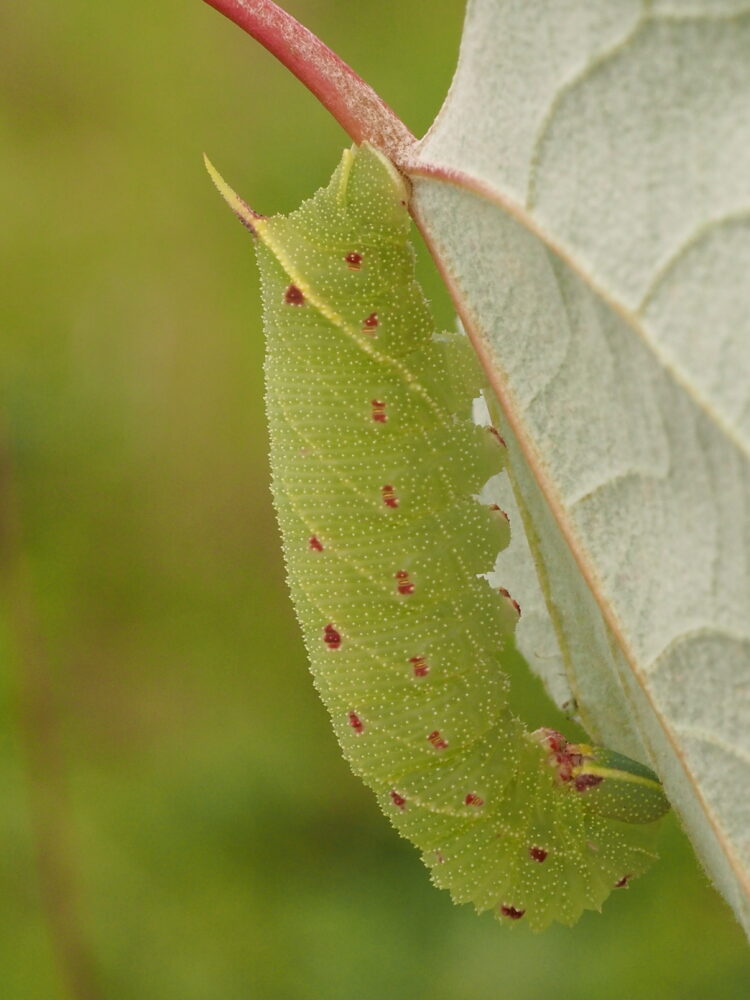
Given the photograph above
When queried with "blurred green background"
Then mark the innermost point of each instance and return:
(177, 821)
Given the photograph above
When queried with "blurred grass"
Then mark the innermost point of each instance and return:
(177, 819)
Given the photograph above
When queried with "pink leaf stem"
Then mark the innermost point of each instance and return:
(351, 101)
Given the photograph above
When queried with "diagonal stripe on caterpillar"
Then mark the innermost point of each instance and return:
(375, 467)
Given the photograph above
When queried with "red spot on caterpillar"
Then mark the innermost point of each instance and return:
(537, 853)
(554, 740)
(561, 755)
(398, 800)
(378, 411)
(622, 883)
(356, 723)
(331, 637)
(439, 858)
(497, 435)
(582, 782)
(370, 323)
(389, 496)
(354, 261)
(437, 740)
(314, 544)
(499, 510)
(511, 912)
(472, 799)
(564, 767)
(506, 594)
(421, 667)
(403, 583)
(293, 296)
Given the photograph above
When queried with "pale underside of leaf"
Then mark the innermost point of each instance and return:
(587, 189)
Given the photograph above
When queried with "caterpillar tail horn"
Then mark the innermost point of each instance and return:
(247, 216)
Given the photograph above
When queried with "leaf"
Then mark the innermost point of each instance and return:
(587, 189)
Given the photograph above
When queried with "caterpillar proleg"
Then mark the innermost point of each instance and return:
(376, 465)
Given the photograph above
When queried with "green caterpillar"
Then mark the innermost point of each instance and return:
(376, 465)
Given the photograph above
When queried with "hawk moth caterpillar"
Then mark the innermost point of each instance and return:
(376, 464)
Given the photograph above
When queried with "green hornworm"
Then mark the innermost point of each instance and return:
(376, 464)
